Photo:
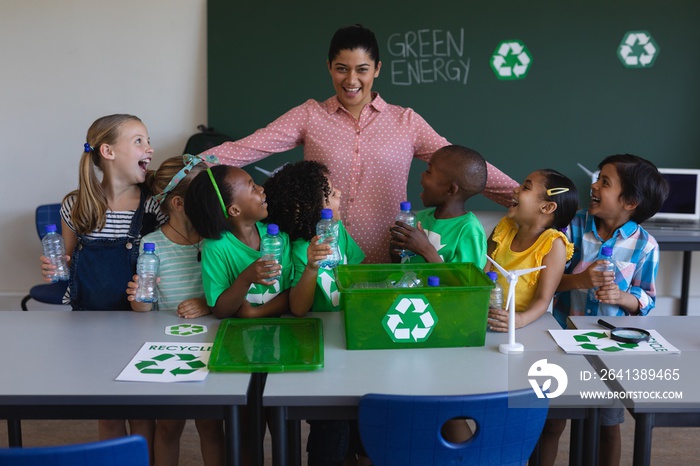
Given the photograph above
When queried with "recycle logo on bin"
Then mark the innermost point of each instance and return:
(511, 60)
(185, 330)
(638, 50)
(410, 319)
(176, 364)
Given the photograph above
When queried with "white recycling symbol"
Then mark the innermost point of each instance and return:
(511, 60)
(329, 287)
(413, 320)
(260, 294)
(638, 50)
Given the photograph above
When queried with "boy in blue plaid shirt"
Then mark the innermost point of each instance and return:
(628, 191)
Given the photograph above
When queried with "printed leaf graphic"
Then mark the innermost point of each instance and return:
(589, 346)
(581, 338)
(546, 384)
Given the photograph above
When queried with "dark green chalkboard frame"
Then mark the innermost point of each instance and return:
(577, 103)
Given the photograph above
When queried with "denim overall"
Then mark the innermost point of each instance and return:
(101, 268)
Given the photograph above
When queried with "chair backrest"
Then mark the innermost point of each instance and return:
(406, 430)
(47, 214)
(131, 450)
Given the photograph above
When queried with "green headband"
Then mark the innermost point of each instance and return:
(218, 193)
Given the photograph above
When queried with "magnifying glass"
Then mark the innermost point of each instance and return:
(625, 334)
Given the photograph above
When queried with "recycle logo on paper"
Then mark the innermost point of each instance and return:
(638, 49)
(511, 60)
(411, 319)
(598, 341)
(175, 364)
(185, 330)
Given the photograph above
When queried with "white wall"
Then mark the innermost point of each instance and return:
(65, 63)
(62, 65)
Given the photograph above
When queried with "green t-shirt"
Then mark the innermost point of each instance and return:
(224, 259)
(459, 239)
(326, 296)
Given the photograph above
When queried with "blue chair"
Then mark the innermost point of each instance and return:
(131, 451)
(406, 430)
(50, 293)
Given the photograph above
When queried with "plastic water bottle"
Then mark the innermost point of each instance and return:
(147, 269)
(55, 250)
(327, 229)
(409, 280)
(605, 254)
(496, 300)
(409, 218)
(382, 284)
(271, 246)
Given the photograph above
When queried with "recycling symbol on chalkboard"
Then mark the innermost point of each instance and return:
(176, 364)
(511, 60)
(410, 318)
(638, 49)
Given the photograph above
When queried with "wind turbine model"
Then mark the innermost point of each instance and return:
(512, 277)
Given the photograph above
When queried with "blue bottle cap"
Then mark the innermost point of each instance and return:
(273, 229)
(149, 246)
(405, 205)
(606, 251)
(50, 227)
(327, 214)
(433, 280)
(492, 275)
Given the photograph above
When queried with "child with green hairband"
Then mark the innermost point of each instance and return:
(226, 208)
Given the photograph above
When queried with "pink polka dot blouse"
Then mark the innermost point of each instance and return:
(369, 160)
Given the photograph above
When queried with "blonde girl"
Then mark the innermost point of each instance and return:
(103, 222)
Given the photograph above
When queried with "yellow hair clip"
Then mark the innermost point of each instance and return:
(555, 191)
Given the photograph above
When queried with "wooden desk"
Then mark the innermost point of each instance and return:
(683, 333)
(62, 365)
(334, 391)
(670, 239)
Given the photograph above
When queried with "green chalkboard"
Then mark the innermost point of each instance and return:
(576, 103)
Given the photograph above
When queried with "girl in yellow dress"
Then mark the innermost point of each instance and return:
(530, 235)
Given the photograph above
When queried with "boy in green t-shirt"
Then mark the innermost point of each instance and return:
(445, 231)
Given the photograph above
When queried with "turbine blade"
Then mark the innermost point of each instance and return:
(526, 271)
(501, 269)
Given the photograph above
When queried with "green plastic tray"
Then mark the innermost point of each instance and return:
(268, 345)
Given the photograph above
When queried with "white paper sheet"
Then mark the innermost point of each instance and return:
(168, 362)
(594, 341)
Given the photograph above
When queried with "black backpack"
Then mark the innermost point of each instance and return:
(205, 140)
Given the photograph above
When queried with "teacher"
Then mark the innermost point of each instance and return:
(366, 143)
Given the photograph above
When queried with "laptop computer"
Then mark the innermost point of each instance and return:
(682, 207)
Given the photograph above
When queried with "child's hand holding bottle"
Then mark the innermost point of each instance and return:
(317, 252)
